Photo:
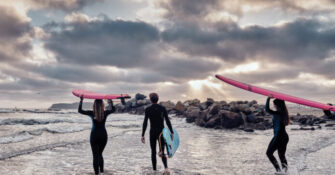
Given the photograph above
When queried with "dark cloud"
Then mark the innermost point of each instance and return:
(185, 11)
(299, 40)
(32, 84)
(16, 77)
(108, 42)
(65, 5)
(198, 10)
(12, 26)
(319, 67)
(73, 73)
(135, 46)
(13, 29)
(327, 69)
(173, 70)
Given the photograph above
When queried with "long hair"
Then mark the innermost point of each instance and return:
(99, 110)
(282, 109)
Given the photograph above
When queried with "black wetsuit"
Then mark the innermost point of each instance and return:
(98, 138)
(156, 114)
(329, 114)
(279, 140)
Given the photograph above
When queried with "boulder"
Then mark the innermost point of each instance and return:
(307, 128)
(223, 103)
(130, 103)
(330, 125)
(203, 106)
(140, 110)
(252, 109)
(191, 114)
(240, 107)
(132, 111)
(119, 108)
(248, 130)
(194, 102)
(180, 107)
(244, 108)
(251, 118)
(214, 121)
(317, 121)
(259, 119)
(260, 112)
(226, 107)
(133, 104)
(232, 103)
(252, 103)
(139, 96)
(267, 123)
(256, 106)
(209, 101)
(172, 112)
(141, 102)
(214, 109)
(307, 119)
(231, 119)
(200, 120)
(168, 105)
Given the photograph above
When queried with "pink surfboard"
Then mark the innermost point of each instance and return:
(278, 95)
(93, 95)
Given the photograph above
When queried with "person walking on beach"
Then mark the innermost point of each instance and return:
(98, 138)
(280, 139)
(156, 114)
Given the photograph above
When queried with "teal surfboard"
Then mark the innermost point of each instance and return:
(171, 145)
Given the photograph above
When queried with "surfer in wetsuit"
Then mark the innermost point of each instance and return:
(98, 138)
(280, 139)
(329, 114)
(156, 114)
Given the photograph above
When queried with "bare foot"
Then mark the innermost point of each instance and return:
(166, 172)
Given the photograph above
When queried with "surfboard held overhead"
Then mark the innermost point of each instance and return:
(94, 95)
(275, 94)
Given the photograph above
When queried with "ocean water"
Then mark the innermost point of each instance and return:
(58, 143)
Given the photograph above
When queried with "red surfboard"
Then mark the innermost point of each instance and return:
(278, 95)
(93, 95)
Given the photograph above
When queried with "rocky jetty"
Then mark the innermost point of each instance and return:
(244, 115)
(220, 114)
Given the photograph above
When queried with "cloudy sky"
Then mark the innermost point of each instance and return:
(173, 47)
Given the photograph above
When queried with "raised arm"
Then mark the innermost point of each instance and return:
(167, 120)
(145, 123)
(267, 107)
(80, 109)
(329, 113)
(110, 110)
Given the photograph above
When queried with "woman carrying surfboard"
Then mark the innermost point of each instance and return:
(156, 114)
(280, 139)
(98, 138)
